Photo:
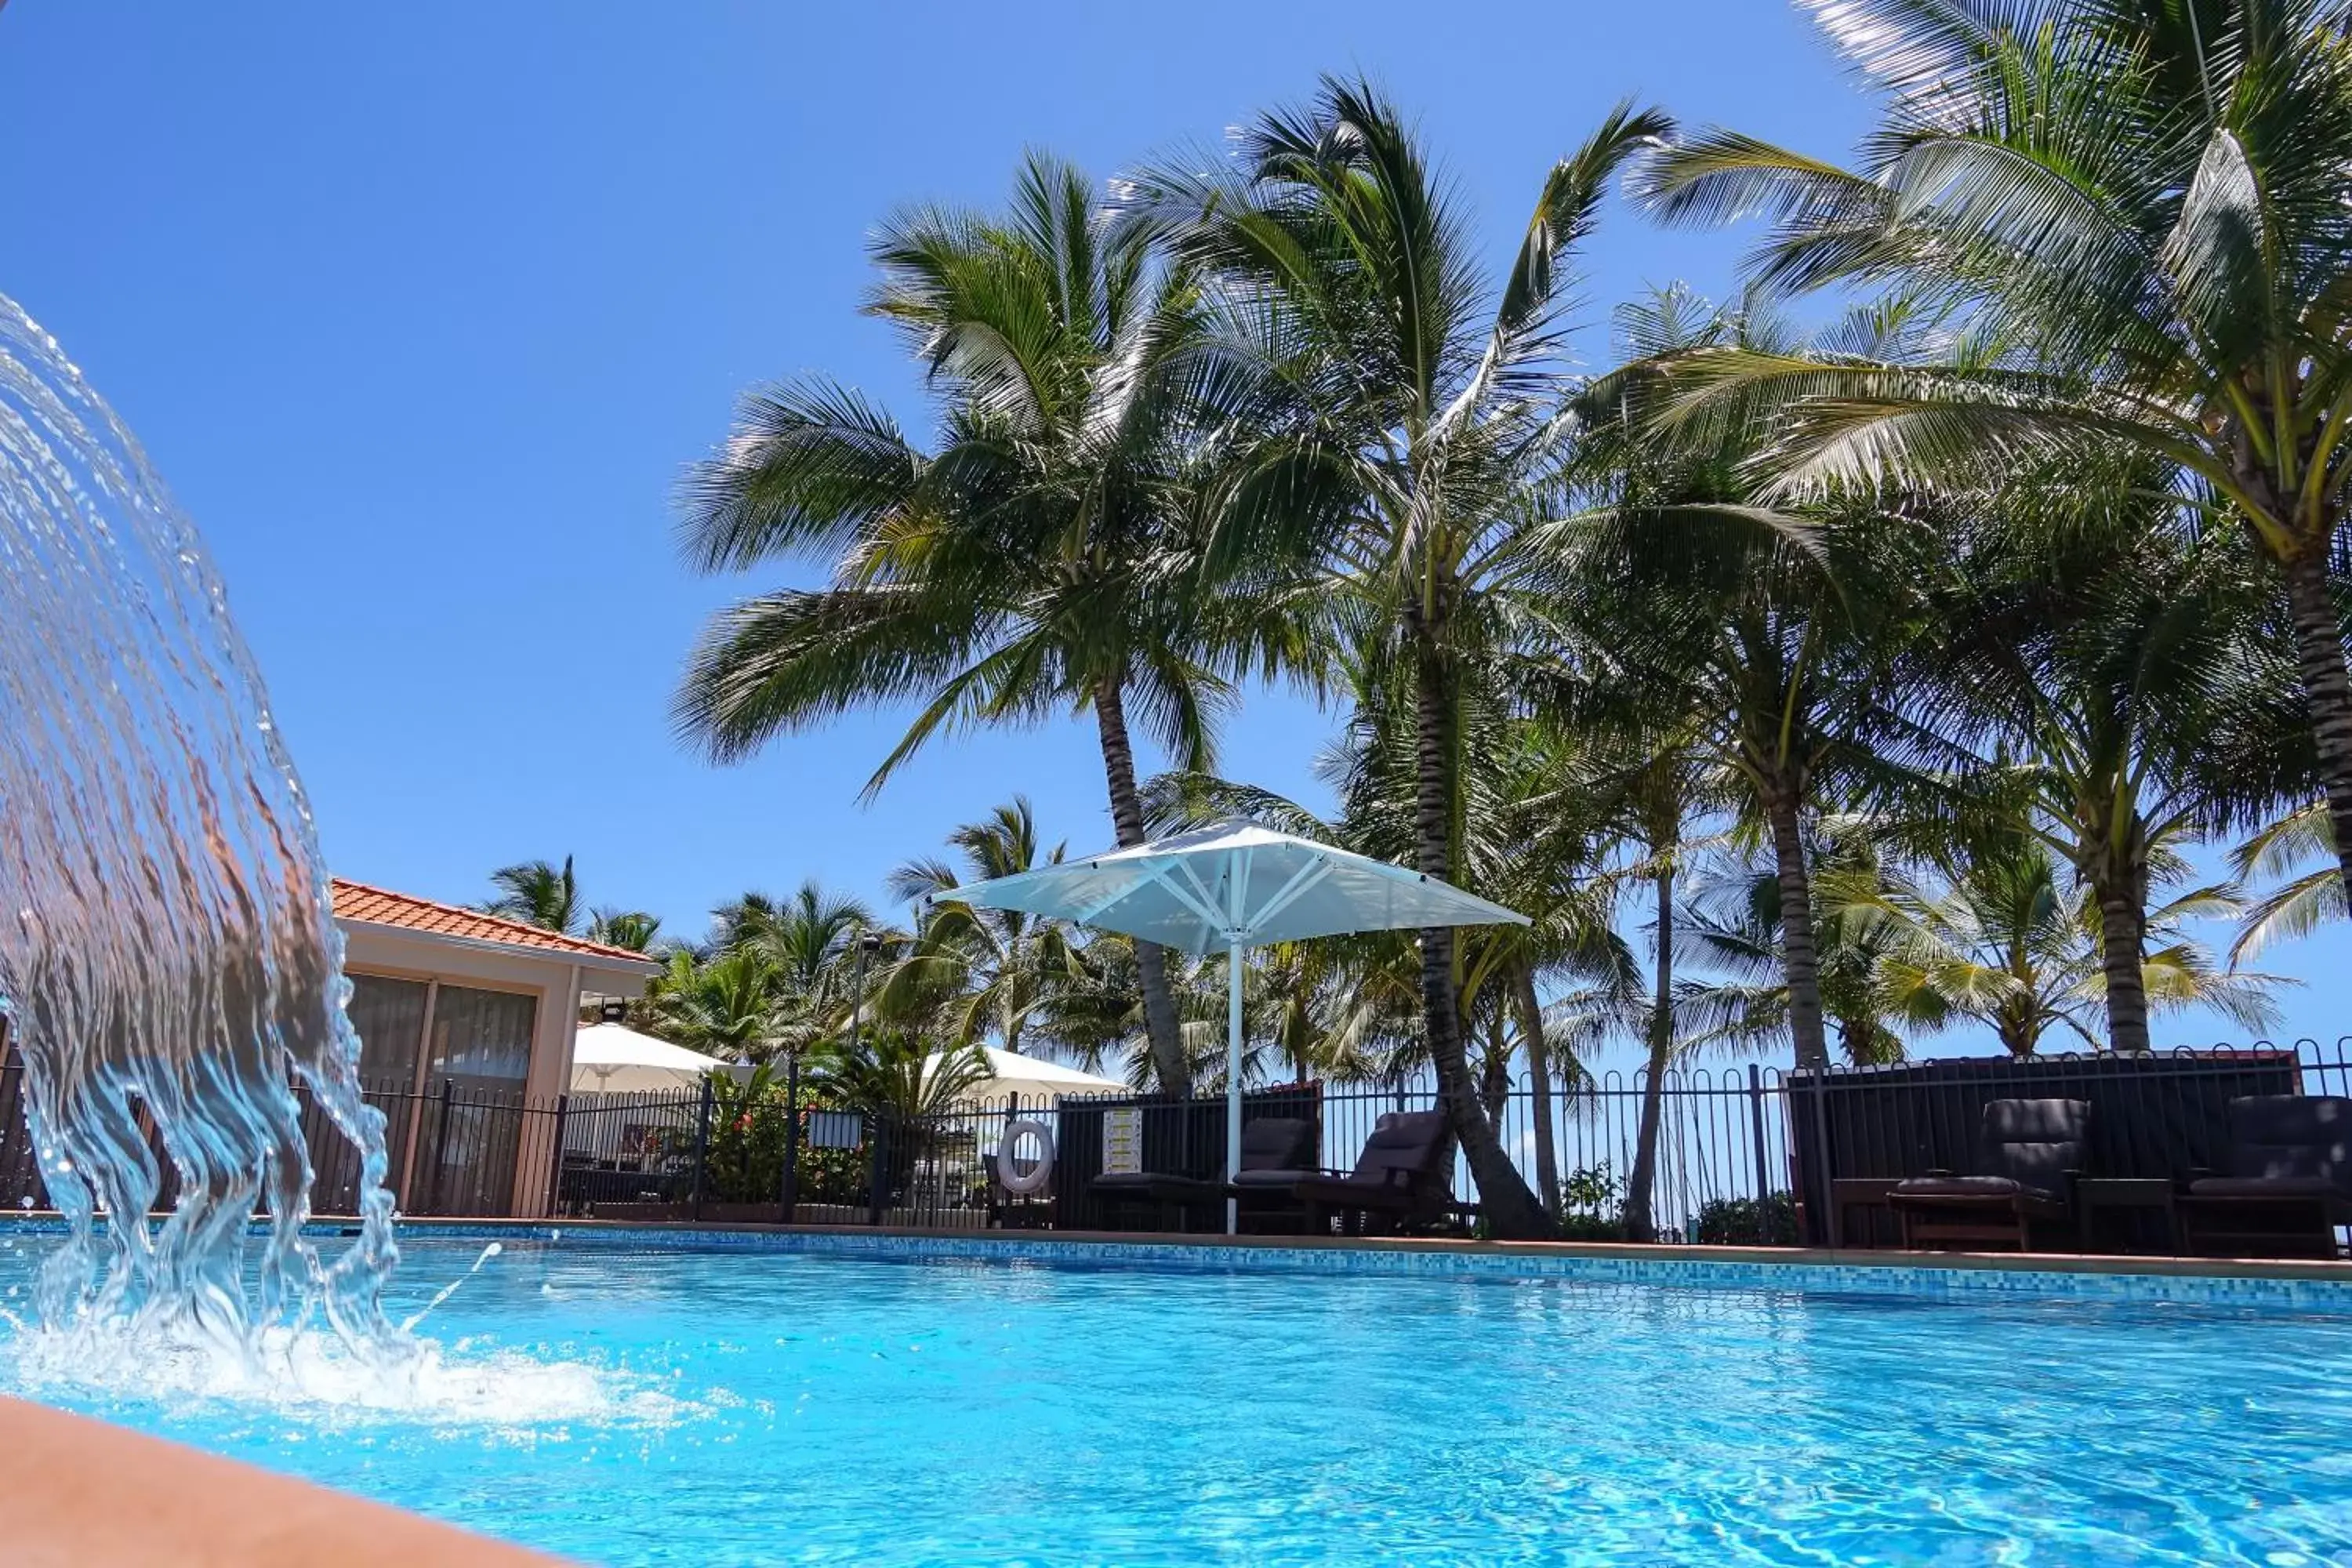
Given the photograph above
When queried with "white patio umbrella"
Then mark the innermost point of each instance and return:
(1235, 885)
(612, 1059)
(1035, 1081)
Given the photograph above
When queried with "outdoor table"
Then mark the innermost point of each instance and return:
(1867, 1193)
(2135, 1197)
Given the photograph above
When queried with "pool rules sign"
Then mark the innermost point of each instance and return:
(1122, 1153)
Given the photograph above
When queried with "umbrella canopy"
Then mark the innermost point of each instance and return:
(1236, 881)
(1035, 1081)
(1234, 884)
(612, 1059)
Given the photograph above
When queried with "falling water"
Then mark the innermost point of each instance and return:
(166, 943)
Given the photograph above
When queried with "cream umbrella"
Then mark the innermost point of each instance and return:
(1235, 885)
(612, 1059)
(1034, 1081)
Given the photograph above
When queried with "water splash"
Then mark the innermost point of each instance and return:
(408, 1324)
(167, 947)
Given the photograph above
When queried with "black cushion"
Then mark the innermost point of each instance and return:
(2302, 1137)
(1277, 1143)
(2036, 1143)
(1277, 1177)
(1403, 1142)
(1956, 1187)
(2264, 1187)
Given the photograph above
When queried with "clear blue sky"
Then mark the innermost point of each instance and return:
(421, 309)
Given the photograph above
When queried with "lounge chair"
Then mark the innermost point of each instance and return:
(1268, 1143)
(1400, 1180)
(2032, 1152)
(2288, 1187)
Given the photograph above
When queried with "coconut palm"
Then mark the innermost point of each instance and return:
(634, 930)
(976, 973)
(2131, 664)
(723, 1005)
(1042, 559)
(2010, 942)
(894, 1075)
(2306, 899)
(1729, 930)
(1410, 413)
(538, 893)
(1771, 640)
(807, 941)
(2131, 220)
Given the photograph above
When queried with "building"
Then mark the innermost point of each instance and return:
(465, 1020)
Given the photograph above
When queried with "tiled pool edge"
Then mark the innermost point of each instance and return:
(2299, 1285)
(2302, 1287)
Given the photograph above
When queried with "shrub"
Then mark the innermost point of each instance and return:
(1746, 1222)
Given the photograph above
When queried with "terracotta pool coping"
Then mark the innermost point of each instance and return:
(87, 1494)
(2331, 1272)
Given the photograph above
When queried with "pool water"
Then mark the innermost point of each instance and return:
(707, 1407)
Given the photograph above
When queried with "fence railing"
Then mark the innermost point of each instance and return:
(1740, 1153)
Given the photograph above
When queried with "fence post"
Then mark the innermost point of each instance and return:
(791, 1196)
(1755, 1133)
(1830, 1227)
(555, 1157)
(701, 1144)
(440, 1147)
(874, 1173)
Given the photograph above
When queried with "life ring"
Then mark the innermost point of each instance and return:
(1008, 1174)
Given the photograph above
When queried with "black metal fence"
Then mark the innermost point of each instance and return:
(1741, 1154)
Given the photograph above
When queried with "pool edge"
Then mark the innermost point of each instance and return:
(2297, 1284)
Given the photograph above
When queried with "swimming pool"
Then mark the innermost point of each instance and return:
(696, 1403)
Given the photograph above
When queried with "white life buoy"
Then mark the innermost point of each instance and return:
(1009, 1175)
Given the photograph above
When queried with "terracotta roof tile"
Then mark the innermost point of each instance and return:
(380, 906)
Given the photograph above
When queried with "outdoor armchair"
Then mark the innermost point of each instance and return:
(1398, 1180)
(1268, 1143)
(2288, 1185)
(2032, 1152)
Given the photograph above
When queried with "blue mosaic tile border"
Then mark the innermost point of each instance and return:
(2255, 1292)
(1940, 1283)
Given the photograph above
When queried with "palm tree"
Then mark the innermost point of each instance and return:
(806, 941)
(2306, 899)
(981, 973)
(634, 930)
(2128, 661)
(1771, 640)
(2132, 220)
(894, 1075)
(723, 1005)
(1730, 929)
(537, 893)
(2006, 944)
(1409, 417)
(1044, 558)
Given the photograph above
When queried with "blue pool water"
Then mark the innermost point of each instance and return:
(704, 1407)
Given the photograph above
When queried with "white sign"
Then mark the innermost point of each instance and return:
(1123, 1141)
(835, 1129)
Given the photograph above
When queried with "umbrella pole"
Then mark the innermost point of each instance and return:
(1233, 1082)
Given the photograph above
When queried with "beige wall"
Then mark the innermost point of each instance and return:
(553, 980)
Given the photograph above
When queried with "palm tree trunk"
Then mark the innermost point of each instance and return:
(1639, 1225)
(1511, 1211)
(2327, 688)
(1531, 1025)
(2123, 925)
(1799, 955)
(1150, 963)
(1495, 1072)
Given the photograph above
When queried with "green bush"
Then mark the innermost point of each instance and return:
(1590, 1204)
(1745, 1222)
